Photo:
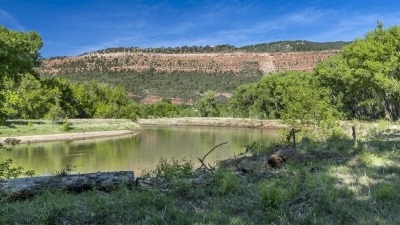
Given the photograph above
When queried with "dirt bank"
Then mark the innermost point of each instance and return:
(220, 122)
(69, 136)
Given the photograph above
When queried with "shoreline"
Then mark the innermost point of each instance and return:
(182, 121)
(69, 136)
(213, 121)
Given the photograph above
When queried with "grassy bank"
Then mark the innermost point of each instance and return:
(331, 182)
(212, 121)
(38, 127)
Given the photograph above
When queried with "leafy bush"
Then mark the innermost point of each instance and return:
(7, 170)
(173, 169)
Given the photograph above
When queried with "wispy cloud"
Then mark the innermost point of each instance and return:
(8, 20)
(307, 16)
(355, 25)
(93, 25)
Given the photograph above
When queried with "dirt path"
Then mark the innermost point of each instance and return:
(69, 136)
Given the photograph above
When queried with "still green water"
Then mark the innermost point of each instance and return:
(138, 152)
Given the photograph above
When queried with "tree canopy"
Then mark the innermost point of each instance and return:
(19, 53)
(364, 80)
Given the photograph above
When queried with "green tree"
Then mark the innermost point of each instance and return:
(163, 108)
(308, 108)
(19, 55)
(364, 80)
(242, 99)
(207, 105)
(35, 98)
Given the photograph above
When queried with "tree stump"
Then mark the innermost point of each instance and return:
(278, 159)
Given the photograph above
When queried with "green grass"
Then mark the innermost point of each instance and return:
(37, 127)
(327, 186)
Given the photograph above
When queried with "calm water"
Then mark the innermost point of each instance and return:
(138, 152)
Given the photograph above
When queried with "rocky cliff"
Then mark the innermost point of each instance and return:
(206, 62)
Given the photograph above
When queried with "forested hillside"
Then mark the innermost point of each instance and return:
(277, 46)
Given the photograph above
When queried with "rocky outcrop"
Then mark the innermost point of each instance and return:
(205, 62)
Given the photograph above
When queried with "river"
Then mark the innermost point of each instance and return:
(138, 152)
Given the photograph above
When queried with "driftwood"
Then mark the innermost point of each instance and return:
(21, 188)
(209, 167)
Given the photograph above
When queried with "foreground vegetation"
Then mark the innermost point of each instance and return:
(332, 182)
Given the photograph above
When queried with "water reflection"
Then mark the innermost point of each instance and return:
(138, 152)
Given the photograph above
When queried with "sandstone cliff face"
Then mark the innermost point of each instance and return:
(208, 62)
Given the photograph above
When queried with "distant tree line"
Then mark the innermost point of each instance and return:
(56, 99)
(278, 46)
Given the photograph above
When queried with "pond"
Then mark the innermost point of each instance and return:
(136, 152)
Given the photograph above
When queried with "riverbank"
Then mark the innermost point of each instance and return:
(212, 121)
(31, 131)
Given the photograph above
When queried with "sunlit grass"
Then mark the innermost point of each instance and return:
(36, 127)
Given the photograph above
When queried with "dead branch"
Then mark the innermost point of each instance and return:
(240, 168)
(209, 167)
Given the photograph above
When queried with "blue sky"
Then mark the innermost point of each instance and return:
(72, 27)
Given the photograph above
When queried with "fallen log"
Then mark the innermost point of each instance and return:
(21, 188)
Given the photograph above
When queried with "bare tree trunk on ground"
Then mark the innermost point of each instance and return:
(22, 188)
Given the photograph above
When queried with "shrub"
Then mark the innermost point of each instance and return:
(173, 169)
(56, 113)
(6, 168)
(66, 126)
